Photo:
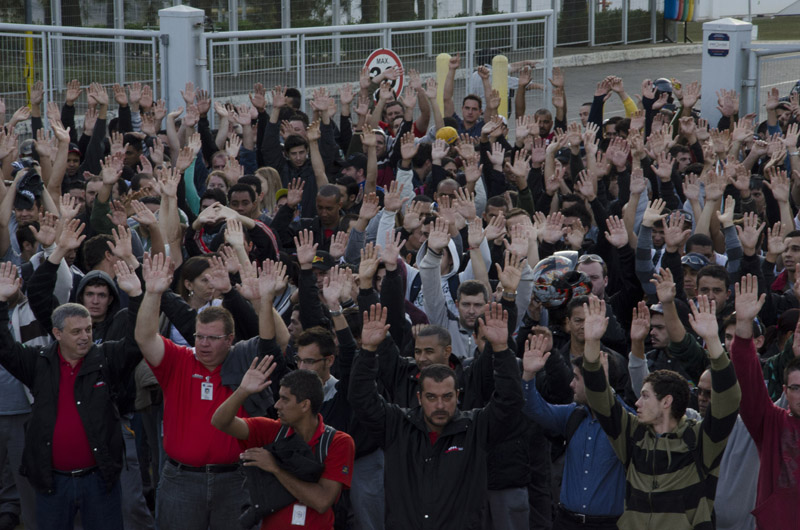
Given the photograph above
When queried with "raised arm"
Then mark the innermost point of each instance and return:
(157, 280)
(449, 81)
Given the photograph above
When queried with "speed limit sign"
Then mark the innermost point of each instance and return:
(380, 60)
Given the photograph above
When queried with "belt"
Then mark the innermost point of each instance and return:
(587, 519)
(210, 468)
(77, 472)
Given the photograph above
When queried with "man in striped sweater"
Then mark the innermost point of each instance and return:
(672, 463)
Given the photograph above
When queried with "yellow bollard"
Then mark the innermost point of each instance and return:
(500, 82)
(29, 67)
(442, 67)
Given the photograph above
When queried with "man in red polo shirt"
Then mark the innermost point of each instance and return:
(301, 397)
(202, 484)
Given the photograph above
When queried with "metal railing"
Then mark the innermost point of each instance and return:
(329, 56)
(57, 54)
(769, 66)
(588, 22)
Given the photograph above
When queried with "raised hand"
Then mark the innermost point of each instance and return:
(393, 199)
(73, 92)
(156, 273)
(10, 282)
(126, 279)
(48, 228)
(439, 237)
(338, 244)
(596, 322)
(257, 378)
(370, 258)
(665, 286)
(306, 248)
(748, 303)
(273, 279)
(70, 237)
(704, 317)
(370, 206)
(749, 232)
(511, 273)
(333, 286)
(295, 193)
(391, 249)
(640, 323)
(121, 246)
(653, 213)
(674, 234)
(217, 276)
(494, 326)
(535, 357)
(617, 235)
(375, 328)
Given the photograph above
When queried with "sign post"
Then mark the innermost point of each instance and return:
(381, 60)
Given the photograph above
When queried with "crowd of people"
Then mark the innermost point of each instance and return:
(379, 313)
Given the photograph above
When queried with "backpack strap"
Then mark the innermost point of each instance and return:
(282, 433)
(574, 421)
(321, 451)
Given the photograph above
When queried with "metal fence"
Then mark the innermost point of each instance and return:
(599, 23)
(327, 57)
(770, 66)
(56, 55)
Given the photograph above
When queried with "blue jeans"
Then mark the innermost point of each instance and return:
(100, 507)
(366, 492)
(188, 500)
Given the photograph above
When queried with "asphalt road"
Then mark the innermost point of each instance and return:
(580, 82)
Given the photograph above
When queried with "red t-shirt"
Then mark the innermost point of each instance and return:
(189, 403)
(338, 467)
(71, 448)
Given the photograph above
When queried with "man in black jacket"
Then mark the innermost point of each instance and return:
(73, 442)
(430, 447)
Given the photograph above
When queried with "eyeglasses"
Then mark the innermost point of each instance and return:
(702, 392)
(306, 362)
(793, 388)
(590, 258)
(211, 338)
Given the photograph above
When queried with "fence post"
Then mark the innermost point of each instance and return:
(429, 29)
(514, 27)
(591, 22)
(119, 44)
(625, 7)
(724, 61)
(653, 21)
(57, 48)
(233, 25)
(336, 19)
(286, 22)
(554, 7)
(182, 26)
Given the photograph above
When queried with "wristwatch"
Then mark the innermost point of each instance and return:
(510, 295)
(337, 313)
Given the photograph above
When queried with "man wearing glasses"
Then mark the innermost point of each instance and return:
(775, 431)
(201, 484)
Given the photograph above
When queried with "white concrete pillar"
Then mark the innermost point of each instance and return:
(724, 62)
(182, 26)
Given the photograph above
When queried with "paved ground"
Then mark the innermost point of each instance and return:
(581, 81)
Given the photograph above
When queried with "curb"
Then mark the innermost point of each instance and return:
(615, 56)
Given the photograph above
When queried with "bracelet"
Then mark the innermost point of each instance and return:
(337, 313)
(434, 252)
(348, 303)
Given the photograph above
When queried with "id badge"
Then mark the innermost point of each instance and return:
(207, 391)
(299, 515)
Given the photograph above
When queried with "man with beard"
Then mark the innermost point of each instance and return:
(432, 445)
